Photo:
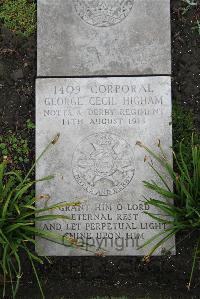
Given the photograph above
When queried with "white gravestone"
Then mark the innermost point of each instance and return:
(97, 161)
(103, 37)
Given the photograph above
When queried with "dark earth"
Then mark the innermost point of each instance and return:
(88, 277)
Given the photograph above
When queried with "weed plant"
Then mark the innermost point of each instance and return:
(184, 215)
(18, 218)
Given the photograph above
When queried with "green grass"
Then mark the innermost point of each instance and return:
(184, 125)
(19, 16)
(184, 216)
(15, 146)
(189, 5)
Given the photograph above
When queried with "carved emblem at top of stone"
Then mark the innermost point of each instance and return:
(103, 13)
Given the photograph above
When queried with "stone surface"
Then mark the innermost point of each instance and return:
(96, 159)
(109, 37)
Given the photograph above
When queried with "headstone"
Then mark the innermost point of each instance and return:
(103, 37)
(96, 160)
(100, 119)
